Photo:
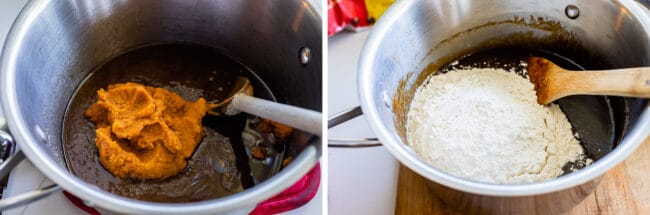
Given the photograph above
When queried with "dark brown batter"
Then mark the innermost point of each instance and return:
(218, 167)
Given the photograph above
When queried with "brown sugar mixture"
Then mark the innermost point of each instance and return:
(221, 164)
(145, 132)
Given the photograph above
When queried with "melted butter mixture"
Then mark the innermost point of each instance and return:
(218, 166)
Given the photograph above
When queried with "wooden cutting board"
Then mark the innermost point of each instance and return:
(624, 190)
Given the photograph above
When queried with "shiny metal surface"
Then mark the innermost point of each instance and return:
(12, 160)
(28, 197)
(24, 198)
(292, 116)
(572, 11)
(548, 203)
(305, 55)
(353, 143)
(3, 122)
(54, 44)
(401, 43)
(345, 116)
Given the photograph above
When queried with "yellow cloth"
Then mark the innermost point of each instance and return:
(377, 7)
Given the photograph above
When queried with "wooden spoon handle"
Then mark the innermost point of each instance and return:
(631, 82)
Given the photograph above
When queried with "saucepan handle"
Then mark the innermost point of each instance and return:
(349, 143)
(7, 165)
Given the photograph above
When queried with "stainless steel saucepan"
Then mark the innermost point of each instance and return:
(414, 35)
(53, 45)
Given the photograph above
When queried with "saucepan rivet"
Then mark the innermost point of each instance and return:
(305, 55)
(572, 11)
(387, 99)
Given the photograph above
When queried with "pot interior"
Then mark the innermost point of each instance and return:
(221, 165)
(59, 43)
(431, 34)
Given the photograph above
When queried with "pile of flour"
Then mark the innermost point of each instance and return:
(485, 125)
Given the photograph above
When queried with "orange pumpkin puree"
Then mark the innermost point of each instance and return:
(145, 132)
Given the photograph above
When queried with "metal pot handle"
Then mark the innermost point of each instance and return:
(349, 143)
(7, 165)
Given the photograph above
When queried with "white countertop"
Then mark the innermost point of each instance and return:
(361, 181)
(25, 177)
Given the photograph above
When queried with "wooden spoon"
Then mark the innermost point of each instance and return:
(553, 82)
(241, 99)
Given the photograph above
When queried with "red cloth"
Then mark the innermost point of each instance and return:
(293, 197)
(344, 13)
(77, 202)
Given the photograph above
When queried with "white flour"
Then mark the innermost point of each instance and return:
(485, 125)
